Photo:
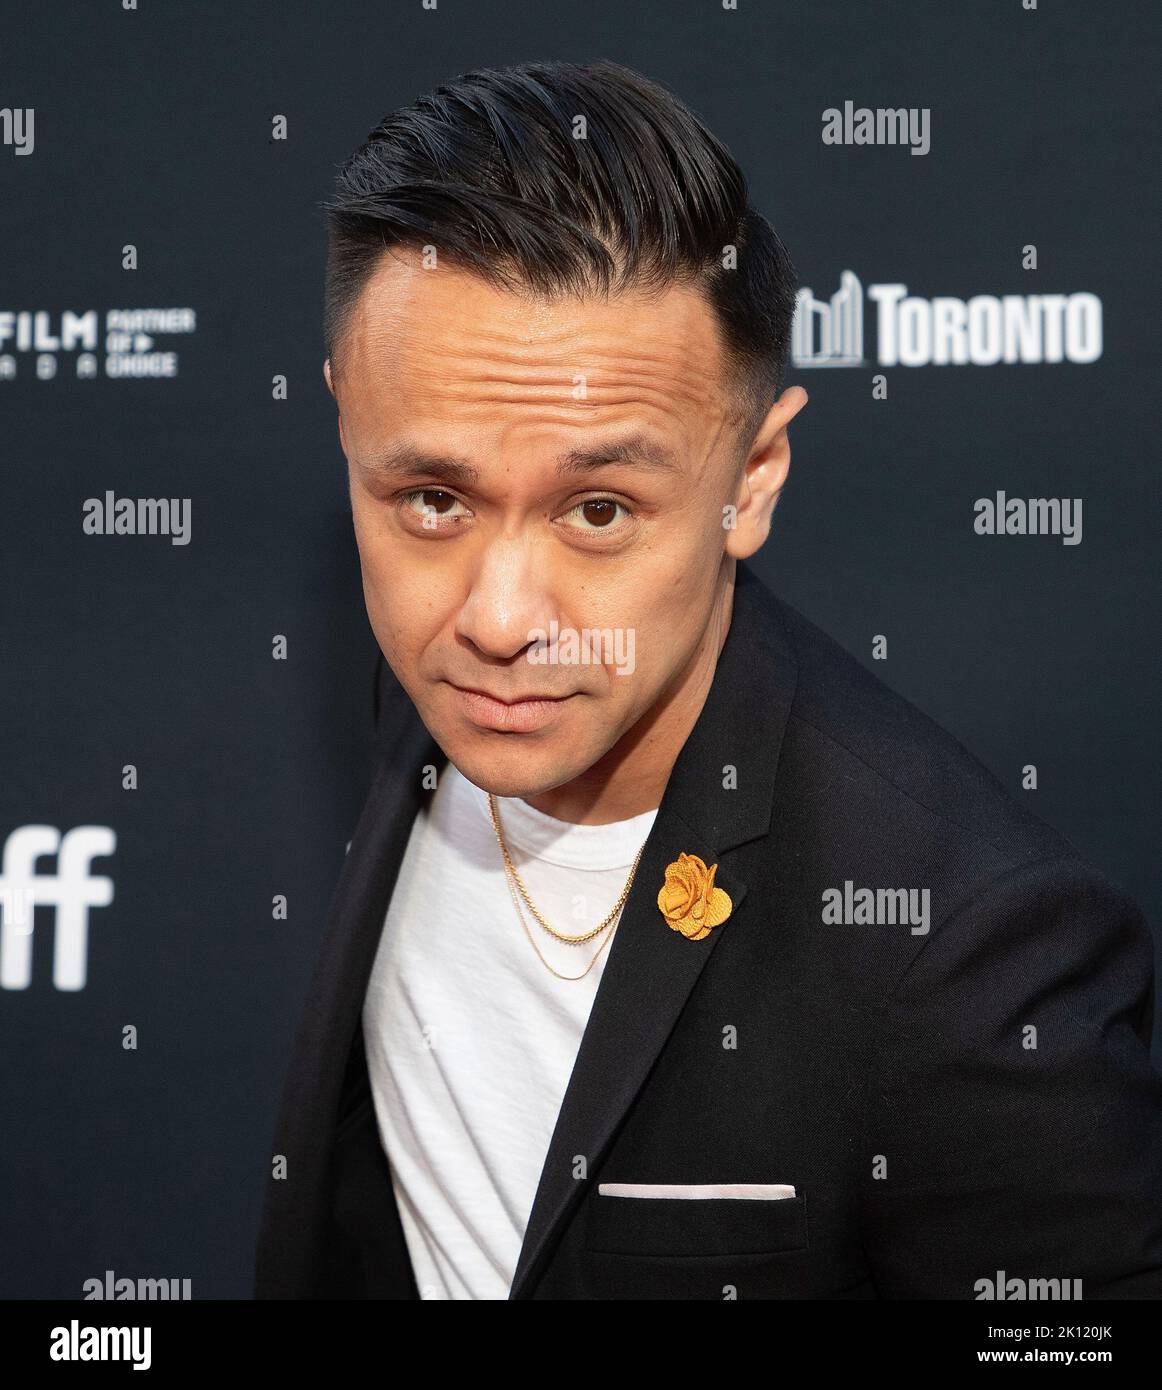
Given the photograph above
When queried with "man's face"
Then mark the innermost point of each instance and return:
(520, 471)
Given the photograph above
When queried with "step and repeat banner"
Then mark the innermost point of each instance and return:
(187, 701)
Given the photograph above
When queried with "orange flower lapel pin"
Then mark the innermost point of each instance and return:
(689, 901)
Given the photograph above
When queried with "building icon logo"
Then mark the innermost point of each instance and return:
(829, 334)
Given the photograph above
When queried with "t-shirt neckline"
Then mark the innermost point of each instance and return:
(533, 834)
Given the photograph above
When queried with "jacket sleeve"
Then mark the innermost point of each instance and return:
(1013, 1123)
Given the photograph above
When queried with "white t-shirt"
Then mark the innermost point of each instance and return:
(470, 1039)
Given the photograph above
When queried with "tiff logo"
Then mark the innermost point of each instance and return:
(72, 891)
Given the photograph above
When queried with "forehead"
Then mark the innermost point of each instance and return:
(443, 348)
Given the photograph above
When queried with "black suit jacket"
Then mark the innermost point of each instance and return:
(887, 1075)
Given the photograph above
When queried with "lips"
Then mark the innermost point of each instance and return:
(512, 699)
(522, 715)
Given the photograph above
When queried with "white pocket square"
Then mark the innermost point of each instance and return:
(760, 1191)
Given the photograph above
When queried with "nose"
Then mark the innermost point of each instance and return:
(507, 603)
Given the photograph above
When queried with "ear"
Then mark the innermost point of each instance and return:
(331, 387)
(763, 476)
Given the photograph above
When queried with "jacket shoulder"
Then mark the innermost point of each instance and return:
(849, 718)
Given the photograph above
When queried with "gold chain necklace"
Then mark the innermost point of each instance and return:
(533, 944)
(511, 868)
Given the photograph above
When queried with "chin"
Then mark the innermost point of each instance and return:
(515, 772)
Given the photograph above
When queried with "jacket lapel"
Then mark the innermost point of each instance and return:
(652, 969)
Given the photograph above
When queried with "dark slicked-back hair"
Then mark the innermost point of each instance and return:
(493, 170)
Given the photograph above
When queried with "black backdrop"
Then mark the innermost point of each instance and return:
(153, 128)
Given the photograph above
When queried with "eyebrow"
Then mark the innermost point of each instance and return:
(637, 449)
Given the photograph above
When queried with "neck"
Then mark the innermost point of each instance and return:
(631, 778)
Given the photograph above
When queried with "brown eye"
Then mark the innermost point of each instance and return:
(598, 514)
(429, 502)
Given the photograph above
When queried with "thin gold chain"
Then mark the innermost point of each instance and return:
(533, 944)
(511, 867)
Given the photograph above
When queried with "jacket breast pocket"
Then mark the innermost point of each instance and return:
(707, 1226)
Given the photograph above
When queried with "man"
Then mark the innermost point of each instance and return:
(674, 956)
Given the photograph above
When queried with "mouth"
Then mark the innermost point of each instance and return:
(520, 715)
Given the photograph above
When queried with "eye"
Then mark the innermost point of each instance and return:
(429, 504)
(597, 514)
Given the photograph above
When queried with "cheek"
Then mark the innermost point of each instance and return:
(408, 607)
(384, 579)
(404, 613)
(670, 626)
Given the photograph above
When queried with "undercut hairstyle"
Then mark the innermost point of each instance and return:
(498, 172)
